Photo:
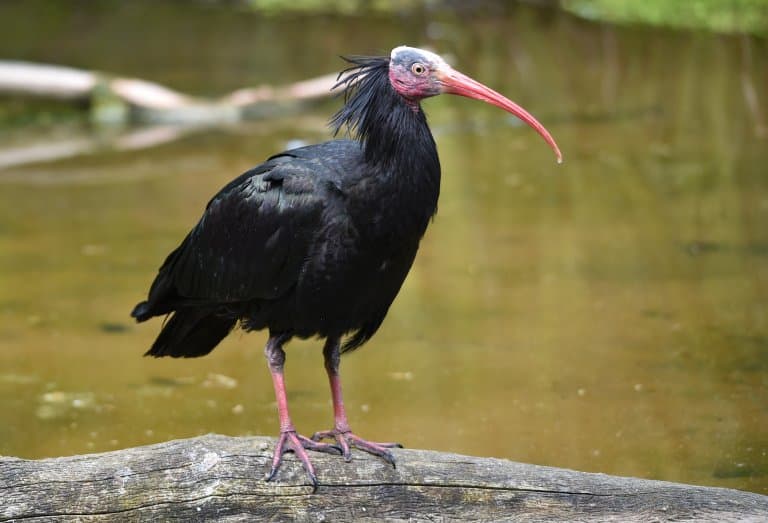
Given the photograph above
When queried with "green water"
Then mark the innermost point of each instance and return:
(609, 314)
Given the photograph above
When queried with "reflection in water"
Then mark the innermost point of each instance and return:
(610, 314)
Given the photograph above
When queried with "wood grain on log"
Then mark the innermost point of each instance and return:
(222, 478)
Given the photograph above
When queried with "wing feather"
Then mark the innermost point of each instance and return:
(255, 234)
(253, 237)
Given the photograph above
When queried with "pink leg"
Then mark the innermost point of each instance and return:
(290, 440)
(341, 431)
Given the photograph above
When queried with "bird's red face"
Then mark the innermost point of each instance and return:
(417, 74)
(414, 73)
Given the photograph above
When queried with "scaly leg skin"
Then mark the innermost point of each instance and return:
(341, 432)
(290, 440)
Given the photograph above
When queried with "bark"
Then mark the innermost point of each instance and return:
(222, 478)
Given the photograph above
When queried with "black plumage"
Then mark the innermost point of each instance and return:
(317, 241)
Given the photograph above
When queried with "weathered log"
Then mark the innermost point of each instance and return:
(222, 478)
(115, 99)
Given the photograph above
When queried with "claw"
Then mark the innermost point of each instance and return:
(272, 474)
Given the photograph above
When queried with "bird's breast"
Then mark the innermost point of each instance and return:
(349, 281)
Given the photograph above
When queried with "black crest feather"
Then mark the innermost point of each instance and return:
(375, 114)
(363, 82)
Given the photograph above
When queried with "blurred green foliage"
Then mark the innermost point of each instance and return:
(729, 16)
(336, 6)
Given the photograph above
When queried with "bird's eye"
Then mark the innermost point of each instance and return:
(418, 69)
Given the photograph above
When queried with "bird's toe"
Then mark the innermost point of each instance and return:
(317, 446)
(290, 441)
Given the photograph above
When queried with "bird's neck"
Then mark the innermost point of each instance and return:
(401, 142)
(404, 166)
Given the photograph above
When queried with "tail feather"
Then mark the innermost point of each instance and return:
(189, 333)
(141, 311)
(162, 298)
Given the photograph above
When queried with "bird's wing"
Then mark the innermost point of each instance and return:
(254, 235)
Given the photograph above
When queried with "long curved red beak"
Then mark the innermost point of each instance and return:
(454, 82)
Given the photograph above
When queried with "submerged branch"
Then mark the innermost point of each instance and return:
(51, 149)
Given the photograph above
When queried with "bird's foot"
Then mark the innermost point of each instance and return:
(346, 439)
(291, 441)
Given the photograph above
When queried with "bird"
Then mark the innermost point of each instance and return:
(316, 241)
